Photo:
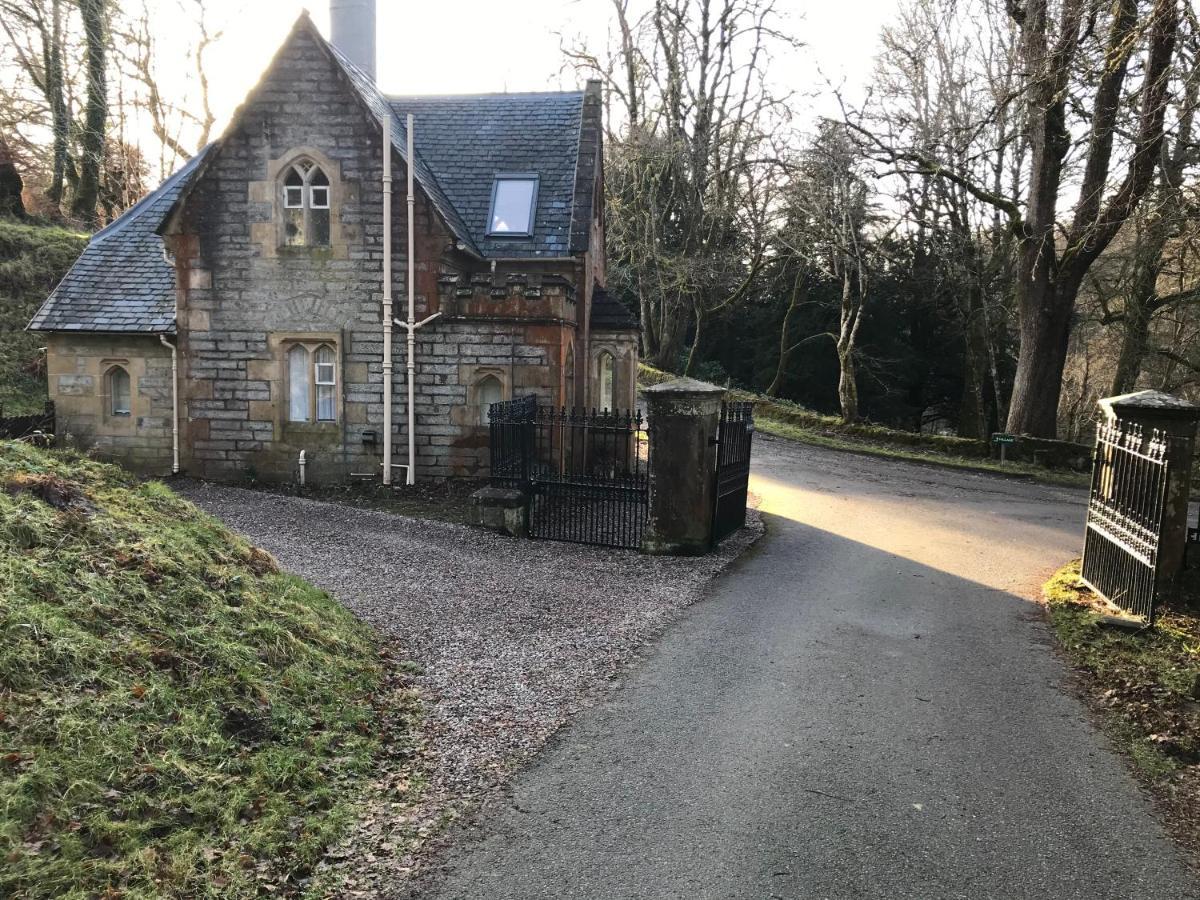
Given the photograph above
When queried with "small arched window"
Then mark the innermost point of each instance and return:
(119, 393)
(488, 390)
(569, 377)
(607, 381)
(306, 205)
(312, 383)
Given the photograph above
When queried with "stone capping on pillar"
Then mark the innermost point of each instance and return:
(683, 415)
(1176, 418)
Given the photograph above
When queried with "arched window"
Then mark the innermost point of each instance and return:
(306, 205)
(488, 390)
(119, 393)
(607, 383)
(325, 379)
(569, 377)
(312, 383)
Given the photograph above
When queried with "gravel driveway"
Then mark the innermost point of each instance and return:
(512, 636)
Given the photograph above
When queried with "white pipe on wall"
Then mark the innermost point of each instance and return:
(174, 403)
(387, 300)
(412, 325)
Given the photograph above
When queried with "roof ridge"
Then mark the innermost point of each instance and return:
(484, 95)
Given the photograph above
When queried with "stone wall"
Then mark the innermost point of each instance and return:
(245, 295)
(78, 368)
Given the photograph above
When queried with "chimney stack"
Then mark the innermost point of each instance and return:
(352, 31)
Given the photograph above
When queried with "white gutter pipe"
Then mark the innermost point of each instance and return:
(174, 403)
(387, 299)
(303, 463)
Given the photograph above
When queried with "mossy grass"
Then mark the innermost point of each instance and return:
(1144, 682)
(177, 717)
(33, 259)
(782, 418)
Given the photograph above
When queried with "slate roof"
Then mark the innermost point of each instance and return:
(122, 282)
(610, 314)
(466, 140)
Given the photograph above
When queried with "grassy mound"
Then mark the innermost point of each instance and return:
(33, 259)
(177, 717)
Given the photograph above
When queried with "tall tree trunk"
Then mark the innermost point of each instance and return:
(56, 98)
(785, 350)
(87, 193)
(851, 317)
(1135, 342)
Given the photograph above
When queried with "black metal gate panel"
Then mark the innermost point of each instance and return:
(735, 431)
(584, 473)
(1125, 516)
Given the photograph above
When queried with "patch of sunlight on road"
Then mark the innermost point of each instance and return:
(985, 544)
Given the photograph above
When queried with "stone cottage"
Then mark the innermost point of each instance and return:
(234, 317)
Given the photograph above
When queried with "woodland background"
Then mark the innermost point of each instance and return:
(1001, 230)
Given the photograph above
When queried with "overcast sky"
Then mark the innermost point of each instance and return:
(457, 46)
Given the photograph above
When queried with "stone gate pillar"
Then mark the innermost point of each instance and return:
(683, 416)
(1177, 419)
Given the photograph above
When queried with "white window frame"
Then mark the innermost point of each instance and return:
(313, 382)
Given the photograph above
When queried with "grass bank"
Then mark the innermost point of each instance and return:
(793, 422)
(177, 717)
(1145, 688)
(33, 259)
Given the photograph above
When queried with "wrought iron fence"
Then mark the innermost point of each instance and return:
(735, 431)
(584, 472)
(24, 426)
(1126, 510)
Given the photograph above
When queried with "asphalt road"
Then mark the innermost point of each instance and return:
(867, 706)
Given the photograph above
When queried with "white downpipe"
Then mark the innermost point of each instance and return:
(174, 403)
(412, 325)
(303, 462)
(387, 299)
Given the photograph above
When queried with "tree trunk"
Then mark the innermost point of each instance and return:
(1135, 341)
(847, 386)
(56, 98)
(1045, 336)
(785, 351)
(87, 192)
(847, 338)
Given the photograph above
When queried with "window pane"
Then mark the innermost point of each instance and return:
(512, 208)
(326, 380)
(119, 389)
(293, 228)
(293, 197)
(297, 384)
(325, 403)
(320, 198)
(293, 178)
(318, 219)
(318, 177)
(606, 381)
(488, 392)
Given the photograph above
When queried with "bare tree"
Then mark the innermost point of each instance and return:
(1077, 106)
(689, 169)
(94, 14)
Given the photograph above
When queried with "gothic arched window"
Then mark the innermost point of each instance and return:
(607, 380)
(306, 202)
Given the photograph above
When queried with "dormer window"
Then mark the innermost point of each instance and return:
(306, 205)
(514, 199)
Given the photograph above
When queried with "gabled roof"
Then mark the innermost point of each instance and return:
(466, 140)
(122, 282)
(609, 313)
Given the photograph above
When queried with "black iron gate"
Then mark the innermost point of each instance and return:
(584, 473)
(1125, 516)
(734, 434)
